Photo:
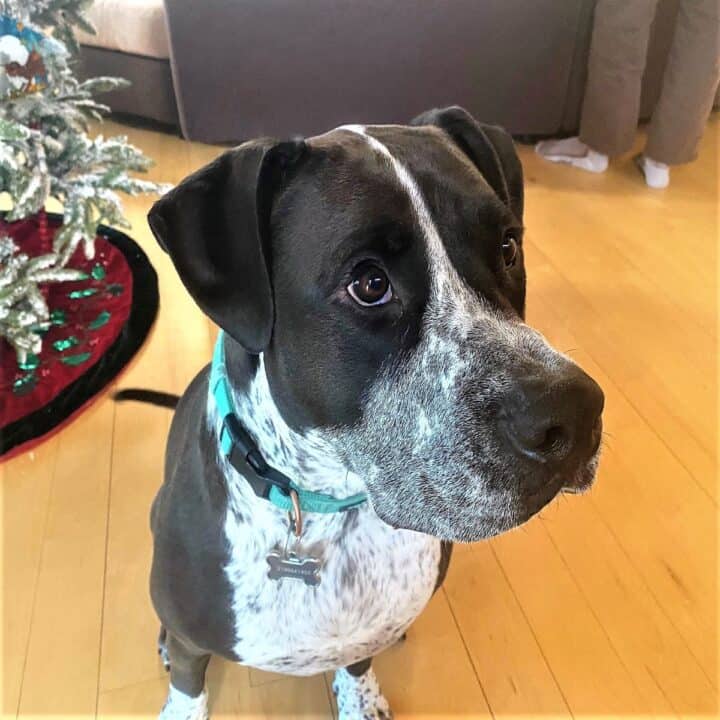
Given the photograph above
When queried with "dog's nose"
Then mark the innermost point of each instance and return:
(555, 420)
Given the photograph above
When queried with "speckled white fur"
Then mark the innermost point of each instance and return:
(375, 580)
(360, 697)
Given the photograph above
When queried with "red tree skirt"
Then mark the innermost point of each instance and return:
(98, 325)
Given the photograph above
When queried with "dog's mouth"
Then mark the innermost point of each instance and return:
(577, 484)
(584, 478)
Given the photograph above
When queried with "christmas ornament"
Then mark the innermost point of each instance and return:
(22, 68)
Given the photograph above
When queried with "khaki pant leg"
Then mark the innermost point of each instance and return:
(618, 52)
(689, 85)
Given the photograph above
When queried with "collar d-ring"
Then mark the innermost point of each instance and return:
(296, 513)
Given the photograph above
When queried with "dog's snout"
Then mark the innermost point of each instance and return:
(555, 420)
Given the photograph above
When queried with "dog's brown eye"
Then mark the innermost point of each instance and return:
(370, 286)
(509, 249)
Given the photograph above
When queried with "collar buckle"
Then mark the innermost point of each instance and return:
(245, 457)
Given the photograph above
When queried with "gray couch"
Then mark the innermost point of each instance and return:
(242, 68)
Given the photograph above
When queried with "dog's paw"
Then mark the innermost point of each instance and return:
(359, 698)
(180, 706)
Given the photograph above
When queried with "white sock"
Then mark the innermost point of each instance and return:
(572, 151)
(180, 706)
(657, 174)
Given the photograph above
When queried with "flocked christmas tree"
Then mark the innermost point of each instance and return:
(46, 152)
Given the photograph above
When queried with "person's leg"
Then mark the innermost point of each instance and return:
(618, 50)
(689, 86)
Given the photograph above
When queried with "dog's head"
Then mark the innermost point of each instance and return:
(380, 271)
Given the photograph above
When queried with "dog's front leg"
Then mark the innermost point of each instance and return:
(358, 694)
(187, 699)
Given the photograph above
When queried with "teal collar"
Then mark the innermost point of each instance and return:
(245, 457)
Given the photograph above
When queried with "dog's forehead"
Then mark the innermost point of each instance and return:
(415, 179)
(367, 158)
(421, 150)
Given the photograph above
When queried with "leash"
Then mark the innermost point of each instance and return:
(245, 456)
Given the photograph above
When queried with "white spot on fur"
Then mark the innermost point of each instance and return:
(180, 706)
(360, 697)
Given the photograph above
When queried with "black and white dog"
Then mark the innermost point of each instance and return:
(371, 289)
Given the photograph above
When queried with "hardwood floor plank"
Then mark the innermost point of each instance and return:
(61, 670)
(141, 700)
(507, 658)
(233, 697)
(25, 488)
(130, 627)
(592, 677)
(639, 471)
(667, 674)
(644, 389)
(673, 548)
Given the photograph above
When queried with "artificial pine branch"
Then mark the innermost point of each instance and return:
(23, 310)
(45, 152)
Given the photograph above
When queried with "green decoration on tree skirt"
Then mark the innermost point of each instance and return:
(25, 384)
(78, 294)
(66, 343)
(76, 359)
(100, 320)
(57, 317)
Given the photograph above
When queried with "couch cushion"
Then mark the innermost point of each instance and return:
(132, 26)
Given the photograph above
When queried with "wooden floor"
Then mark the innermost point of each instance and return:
(606, 605)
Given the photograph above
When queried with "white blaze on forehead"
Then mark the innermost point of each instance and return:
(442, 267)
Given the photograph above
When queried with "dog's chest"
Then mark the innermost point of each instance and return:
(374, 582)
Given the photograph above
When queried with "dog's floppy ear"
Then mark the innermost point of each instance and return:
(214, 225)
(489, 147)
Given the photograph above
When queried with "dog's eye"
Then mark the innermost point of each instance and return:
(510, 248)
(370, 286)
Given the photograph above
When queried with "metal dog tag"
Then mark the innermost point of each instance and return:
(291, 565)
